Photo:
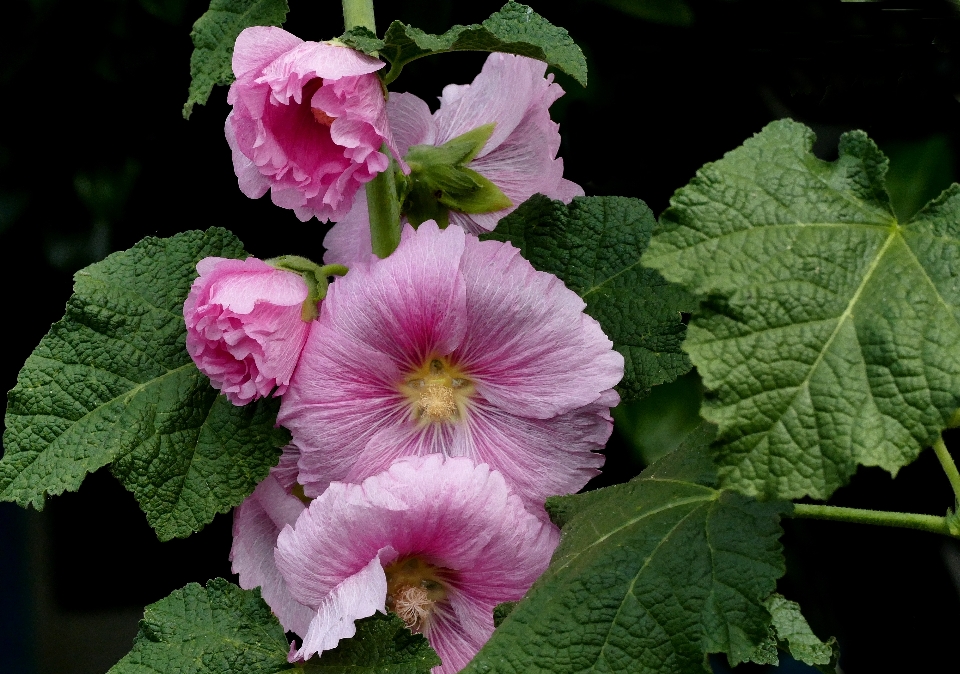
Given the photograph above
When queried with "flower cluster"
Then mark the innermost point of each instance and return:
(435, 397)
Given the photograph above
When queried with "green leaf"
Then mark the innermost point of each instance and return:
(214, 35)
(790, 632)
(515, 29)
(382, 645)
(221, 629)
(594, 246)
(112, 382)
(649, 577)
(829, 331)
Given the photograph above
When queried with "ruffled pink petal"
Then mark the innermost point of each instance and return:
(256, 524)
(244, 326)
(252, 183)
(256, 47)
(529, 347)
(289, 71)
(358, 596)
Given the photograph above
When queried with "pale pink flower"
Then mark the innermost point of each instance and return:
(456, 346)
(440, 543)
(308, 121)
(520, 157)
(244, 326)
(256, 524)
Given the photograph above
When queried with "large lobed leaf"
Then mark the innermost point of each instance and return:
(221, 629)
(214, 35)
(649, 577)
(829, 331)
(515, 29)
(112, 382)
(594, 245)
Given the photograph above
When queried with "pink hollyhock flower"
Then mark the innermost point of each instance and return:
(520, 157)
(308, 122)
(458, 346)
(439, 543)
(244, 326)
(256, 524)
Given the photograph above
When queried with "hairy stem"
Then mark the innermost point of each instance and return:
(949, 467)
(359, 13)
(931, 523)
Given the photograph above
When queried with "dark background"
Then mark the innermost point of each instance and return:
(95, 155)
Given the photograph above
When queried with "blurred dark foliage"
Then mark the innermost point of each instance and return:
(95, 155)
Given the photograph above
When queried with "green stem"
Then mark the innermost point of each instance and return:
(384, 207)
(930, 523)
(359, 13)
(949, 467)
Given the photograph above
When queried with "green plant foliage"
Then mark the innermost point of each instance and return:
(789, 632)
(515, 29)
(214, 35)
(649, 577)
(112, 382)
(221, 629)
(829, 332)
(594, 246)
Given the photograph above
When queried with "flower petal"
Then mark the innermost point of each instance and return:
(359, 596)
(529, 347)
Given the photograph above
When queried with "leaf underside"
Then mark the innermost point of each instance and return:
(790, 632)
(829, 333)
(515, 29)
(649, 577)
(214, 35)
(112, 383)
(594, 246)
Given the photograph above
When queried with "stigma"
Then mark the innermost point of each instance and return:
(414, 588)
(438, 391)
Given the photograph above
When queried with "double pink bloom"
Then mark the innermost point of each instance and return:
(308, 122)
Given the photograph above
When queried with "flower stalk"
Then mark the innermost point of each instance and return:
(359, 13)
(929, 523)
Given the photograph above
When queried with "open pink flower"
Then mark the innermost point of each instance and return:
(456, 346)
(520, 157)
(308, 121)
(257, 522)
(440, 543)
(244, 326)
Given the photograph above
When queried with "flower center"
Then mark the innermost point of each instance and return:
(309, 89)
(413, 590)
(438, 391)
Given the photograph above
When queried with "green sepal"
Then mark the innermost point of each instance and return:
(439, 182)
(315, 276)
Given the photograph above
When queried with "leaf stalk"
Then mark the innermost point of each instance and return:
(929, 523)
(949, 467)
